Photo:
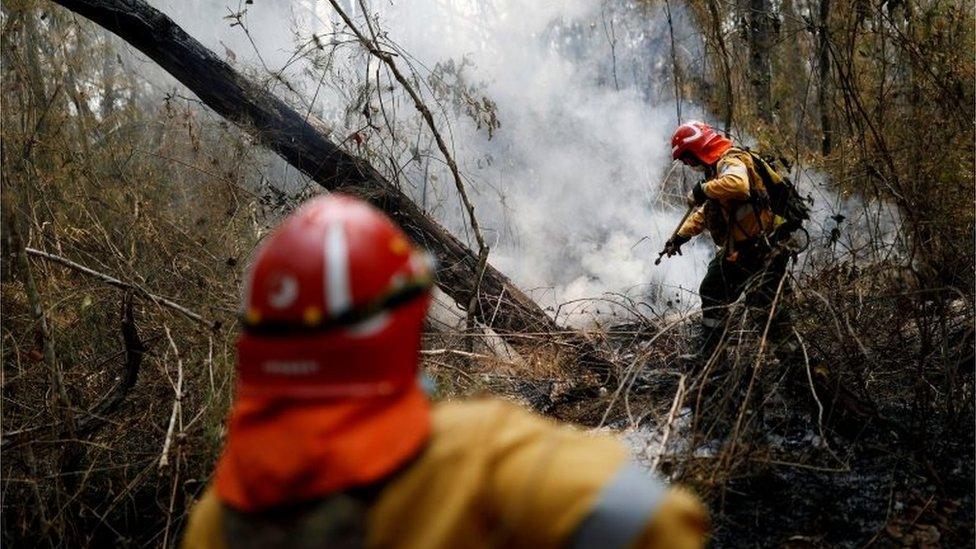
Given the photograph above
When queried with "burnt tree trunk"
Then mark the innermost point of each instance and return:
(761, 27)
(303, 142)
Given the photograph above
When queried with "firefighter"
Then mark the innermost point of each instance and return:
(732, 204)
(332, 441)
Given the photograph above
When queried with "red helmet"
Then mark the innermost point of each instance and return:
(327, 390)
(336, 273)
(700, 140)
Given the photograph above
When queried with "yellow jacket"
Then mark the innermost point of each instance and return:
(729, 211)
(495, 475)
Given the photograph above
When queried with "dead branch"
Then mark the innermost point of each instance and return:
(372, 46)
(630, 375)
(112, 281)
(177, 413)
(757, 364)
(135, 349)
(303, 142)
(97, 416)
(40, 319)
(679, 397)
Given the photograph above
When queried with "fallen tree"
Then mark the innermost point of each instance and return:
(303, 142)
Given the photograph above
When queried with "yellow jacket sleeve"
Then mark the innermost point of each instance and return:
(732, 181)
(553, 485)
(694, 225)
(680, 522)
(204, 528)
(546, 477)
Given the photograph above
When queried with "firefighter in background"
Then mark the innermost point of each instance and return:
(733, 204)
(332, 441)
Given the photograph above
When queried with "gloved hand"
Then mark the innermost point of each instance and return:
(673, 245)
(697, 196)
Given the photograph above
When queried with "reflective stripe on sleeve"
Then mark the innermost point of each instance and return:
(622, 510)
(735, 169)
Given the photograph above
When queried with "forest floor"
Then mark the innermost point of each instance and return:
(801, 477)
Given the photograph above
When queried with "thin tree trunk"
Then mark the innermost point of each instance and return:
(675, 69)
(823, 55)
(724, 56)
(759, 35)
(109, 77)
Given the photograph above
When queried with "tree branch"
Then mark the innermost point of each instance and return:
(303, 142)
(112, 281)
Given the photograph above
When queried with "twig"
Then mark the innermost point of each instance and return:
(459, 371)
(177, 402)
(435, 352)
(679, 397)
(801, 465)
(172, 504)
(373, 48)
(210, 368)
(813, 391)
(632, 369)
(759, 356)
(112, 281)
(40, 319)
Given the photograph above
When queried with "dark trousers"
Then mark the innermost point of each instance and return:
(755, 272)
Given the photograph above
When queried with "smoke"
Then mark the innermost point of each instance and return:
(572, 195)
(558, 114)
(568, 188)
(845, 227)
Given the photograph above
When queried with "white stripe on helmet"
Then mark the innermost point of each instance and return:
(338, 294)
(690, 138)
(693, 136)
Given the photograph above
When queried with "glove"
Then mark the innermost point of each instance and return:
(673, 245)
(697, 196)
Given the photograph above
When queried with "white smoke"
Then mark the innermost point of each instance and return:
(845, 227)
(572, 197)
(569, 189)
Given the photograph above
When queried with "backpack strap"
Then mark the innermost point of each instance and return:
(764, 170)
(338, 520)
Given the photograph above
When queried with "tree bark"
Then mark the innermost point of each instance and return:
(760, 31)
(823, 72)
(303, 142)
(723, 53)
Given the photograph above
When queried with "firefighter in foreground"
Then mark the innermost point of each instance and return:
(750, 211)
(332, 441)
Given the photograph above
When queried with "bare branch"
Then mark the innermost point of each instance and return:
(112, 281)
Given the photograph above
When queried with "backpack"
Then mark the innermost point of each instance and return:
(782, 196)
